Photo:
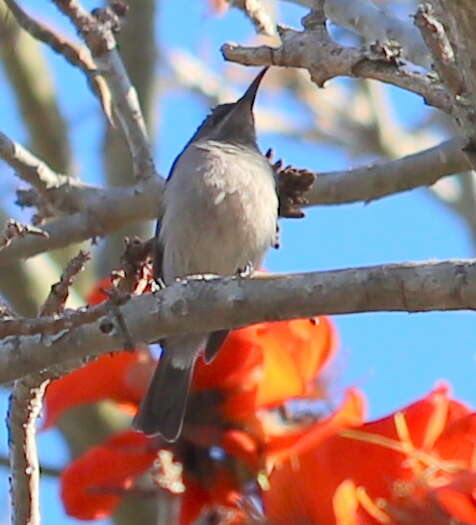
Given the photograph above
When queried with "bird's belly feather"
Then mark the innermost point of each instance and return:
(227, 218)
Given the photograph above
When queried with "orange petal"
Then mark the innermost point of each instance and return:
(458, 497)
(312, 342)
(193, 501)
(304, 479)
(108, 377)
(294, 353)
(458, 440)
(266, 364)
(236, 361)
(349, 414)
(97, 295)
(239, 444)
(375, 457)
(92, 485)
(458, 505)
(219, 490)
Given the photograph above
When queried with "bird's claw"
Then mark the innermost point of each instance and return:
(157, 285)
(247, 271)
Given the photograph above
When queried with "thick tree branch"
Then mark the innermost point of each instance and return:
(108, 210)
(213, 304)
(373, 23)
(314, 50)
(105, 212)
(373, 182)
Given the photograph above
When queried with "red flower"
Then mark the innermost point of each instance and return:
(265, 364)
(116, 377)
(93, 484)
(257, 369)
(370, 473)
(221, 493)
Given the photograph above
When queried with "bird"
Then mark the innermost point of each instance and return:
(220, 211)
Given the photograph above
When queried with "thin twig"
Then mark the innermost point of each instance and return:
(24, 409)
(78, 56)
(375, 23)
(437, 41)
(97, 31)
(256, 13)
(48, 325)
(15, 229)
(213, 304)
(54, 193)
(59, 292)
(28, 167)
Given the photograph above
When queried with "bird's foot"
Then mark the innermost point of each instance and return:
(157, 285)
(247, 271)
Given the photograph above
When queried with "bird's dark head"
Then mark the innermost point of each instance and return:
(233, 123)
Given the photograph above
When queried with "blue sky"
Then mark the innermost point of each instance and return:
(393, 357)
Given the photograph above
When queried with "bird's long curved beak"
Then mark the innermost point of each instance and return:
(250, 94)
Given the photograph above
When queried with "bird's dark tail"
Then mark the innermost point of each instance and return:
(163, 408)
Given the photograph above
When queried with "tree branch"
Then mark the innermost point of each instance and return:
(255, 11)
(453, 46)
(314, 50)
(25, 406)
(78, 56)
(15, 229)
(213, 304)
(97, 31)
(373, 23)
(28, 167)
(104, 212)
(108, 210)
(24, 64)
(373, 182)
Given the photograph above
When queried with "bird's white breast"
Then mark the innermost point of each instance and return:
(220, 211)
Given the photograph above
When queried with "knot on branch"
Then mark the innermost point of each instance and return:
(292, 184)
(389, 52)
